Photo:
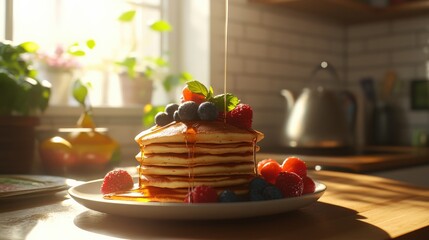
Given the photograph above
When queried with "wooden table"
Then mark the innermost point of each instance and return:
(353, 207)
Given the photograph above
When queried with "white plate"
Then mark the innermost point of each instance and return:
(88, 194)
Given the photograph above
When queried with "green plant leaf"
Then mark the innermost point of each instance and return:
(130, 64)
(197, 87)
(149, 112)
(149, 72)
(30, 47)
(21, 92)
(90, 43)
(158, 61)
(76, 50)
(127, 16)
(231, 102)
(186, 76)
(170, 81)
(161, 26)
(80, 91)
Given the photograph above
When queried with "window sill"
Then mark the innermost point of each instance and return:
(72, 111)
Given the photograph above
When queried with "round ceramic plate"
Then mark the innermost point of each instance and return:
(88, 194)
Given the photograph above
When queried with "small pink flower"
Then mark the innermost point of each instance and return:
(59, 59)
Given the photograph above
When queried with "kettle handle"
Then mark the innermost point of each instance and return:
(324, 65)
(290, 100)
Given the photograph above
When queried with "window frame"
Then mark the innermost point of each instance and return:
(175, 42)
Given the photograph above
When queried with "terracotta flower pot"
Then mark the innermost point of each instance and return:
(17, 144)
(136, 92)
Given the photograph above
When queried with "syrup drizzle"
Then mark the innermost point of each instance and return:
(148, 194)
(225, 59)
(190, 141)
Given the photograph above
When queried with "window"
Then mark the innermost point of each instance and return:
(56, 25)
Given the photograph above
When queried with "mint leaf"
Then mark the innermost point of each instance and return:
(197, 87)
(210, 94)
(231, 102)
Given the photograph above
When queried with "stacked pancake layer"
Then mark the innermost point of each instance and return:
(179, 156)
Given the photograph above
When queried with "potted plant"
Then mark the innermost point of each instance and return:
(140, 72)
(22, 98)
(60, 67)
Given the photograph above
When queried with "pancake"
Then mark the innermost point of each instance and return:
(215, 132)
(187, 182)
(207, 170)
(195, 160)
(198, 148)
(179, 156)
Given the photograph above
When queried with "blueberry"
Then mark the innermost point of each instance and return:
(176, 116)
(207, 111)
(255, 195)
(272, 192)
(258, 184)
(188, 111)
(228, 196)
(162, 119)
(171, 108)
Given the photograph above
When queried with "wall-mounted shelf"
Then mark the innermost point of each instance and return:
(353, 11)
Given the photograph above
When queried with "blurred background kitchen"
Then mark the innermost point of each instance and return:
(133, 53)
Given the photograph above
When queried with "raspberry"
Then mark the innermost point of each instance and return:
(162, 119)
(290, 184)
(240, 116)
(228, 196)
(188, 95)
(309, 185)
(207, 111)
(188, 111)
(295, 165)
(117, 180)
(270, 171)
(202, 194)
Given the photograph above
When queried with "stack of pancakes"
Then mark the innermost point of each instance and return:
(179, 156)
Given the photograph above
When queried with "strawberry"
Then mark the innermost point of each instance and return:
(240, 116)
(188, 95)
(202, 194)
(270, 170)
(262, 163)
(117, 180)
(290, 184)
(295, 165)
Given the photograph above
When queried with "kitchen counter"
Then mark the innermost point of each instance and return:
(354, 206)
(406, 164)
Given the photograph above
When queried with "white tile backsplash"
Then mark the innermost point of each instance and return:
(280, 48)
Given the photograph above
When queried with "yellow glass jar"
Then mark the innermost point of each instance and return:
(84, 149)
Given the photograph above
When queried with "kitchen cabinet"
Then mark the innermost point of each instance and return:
(352, 11)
